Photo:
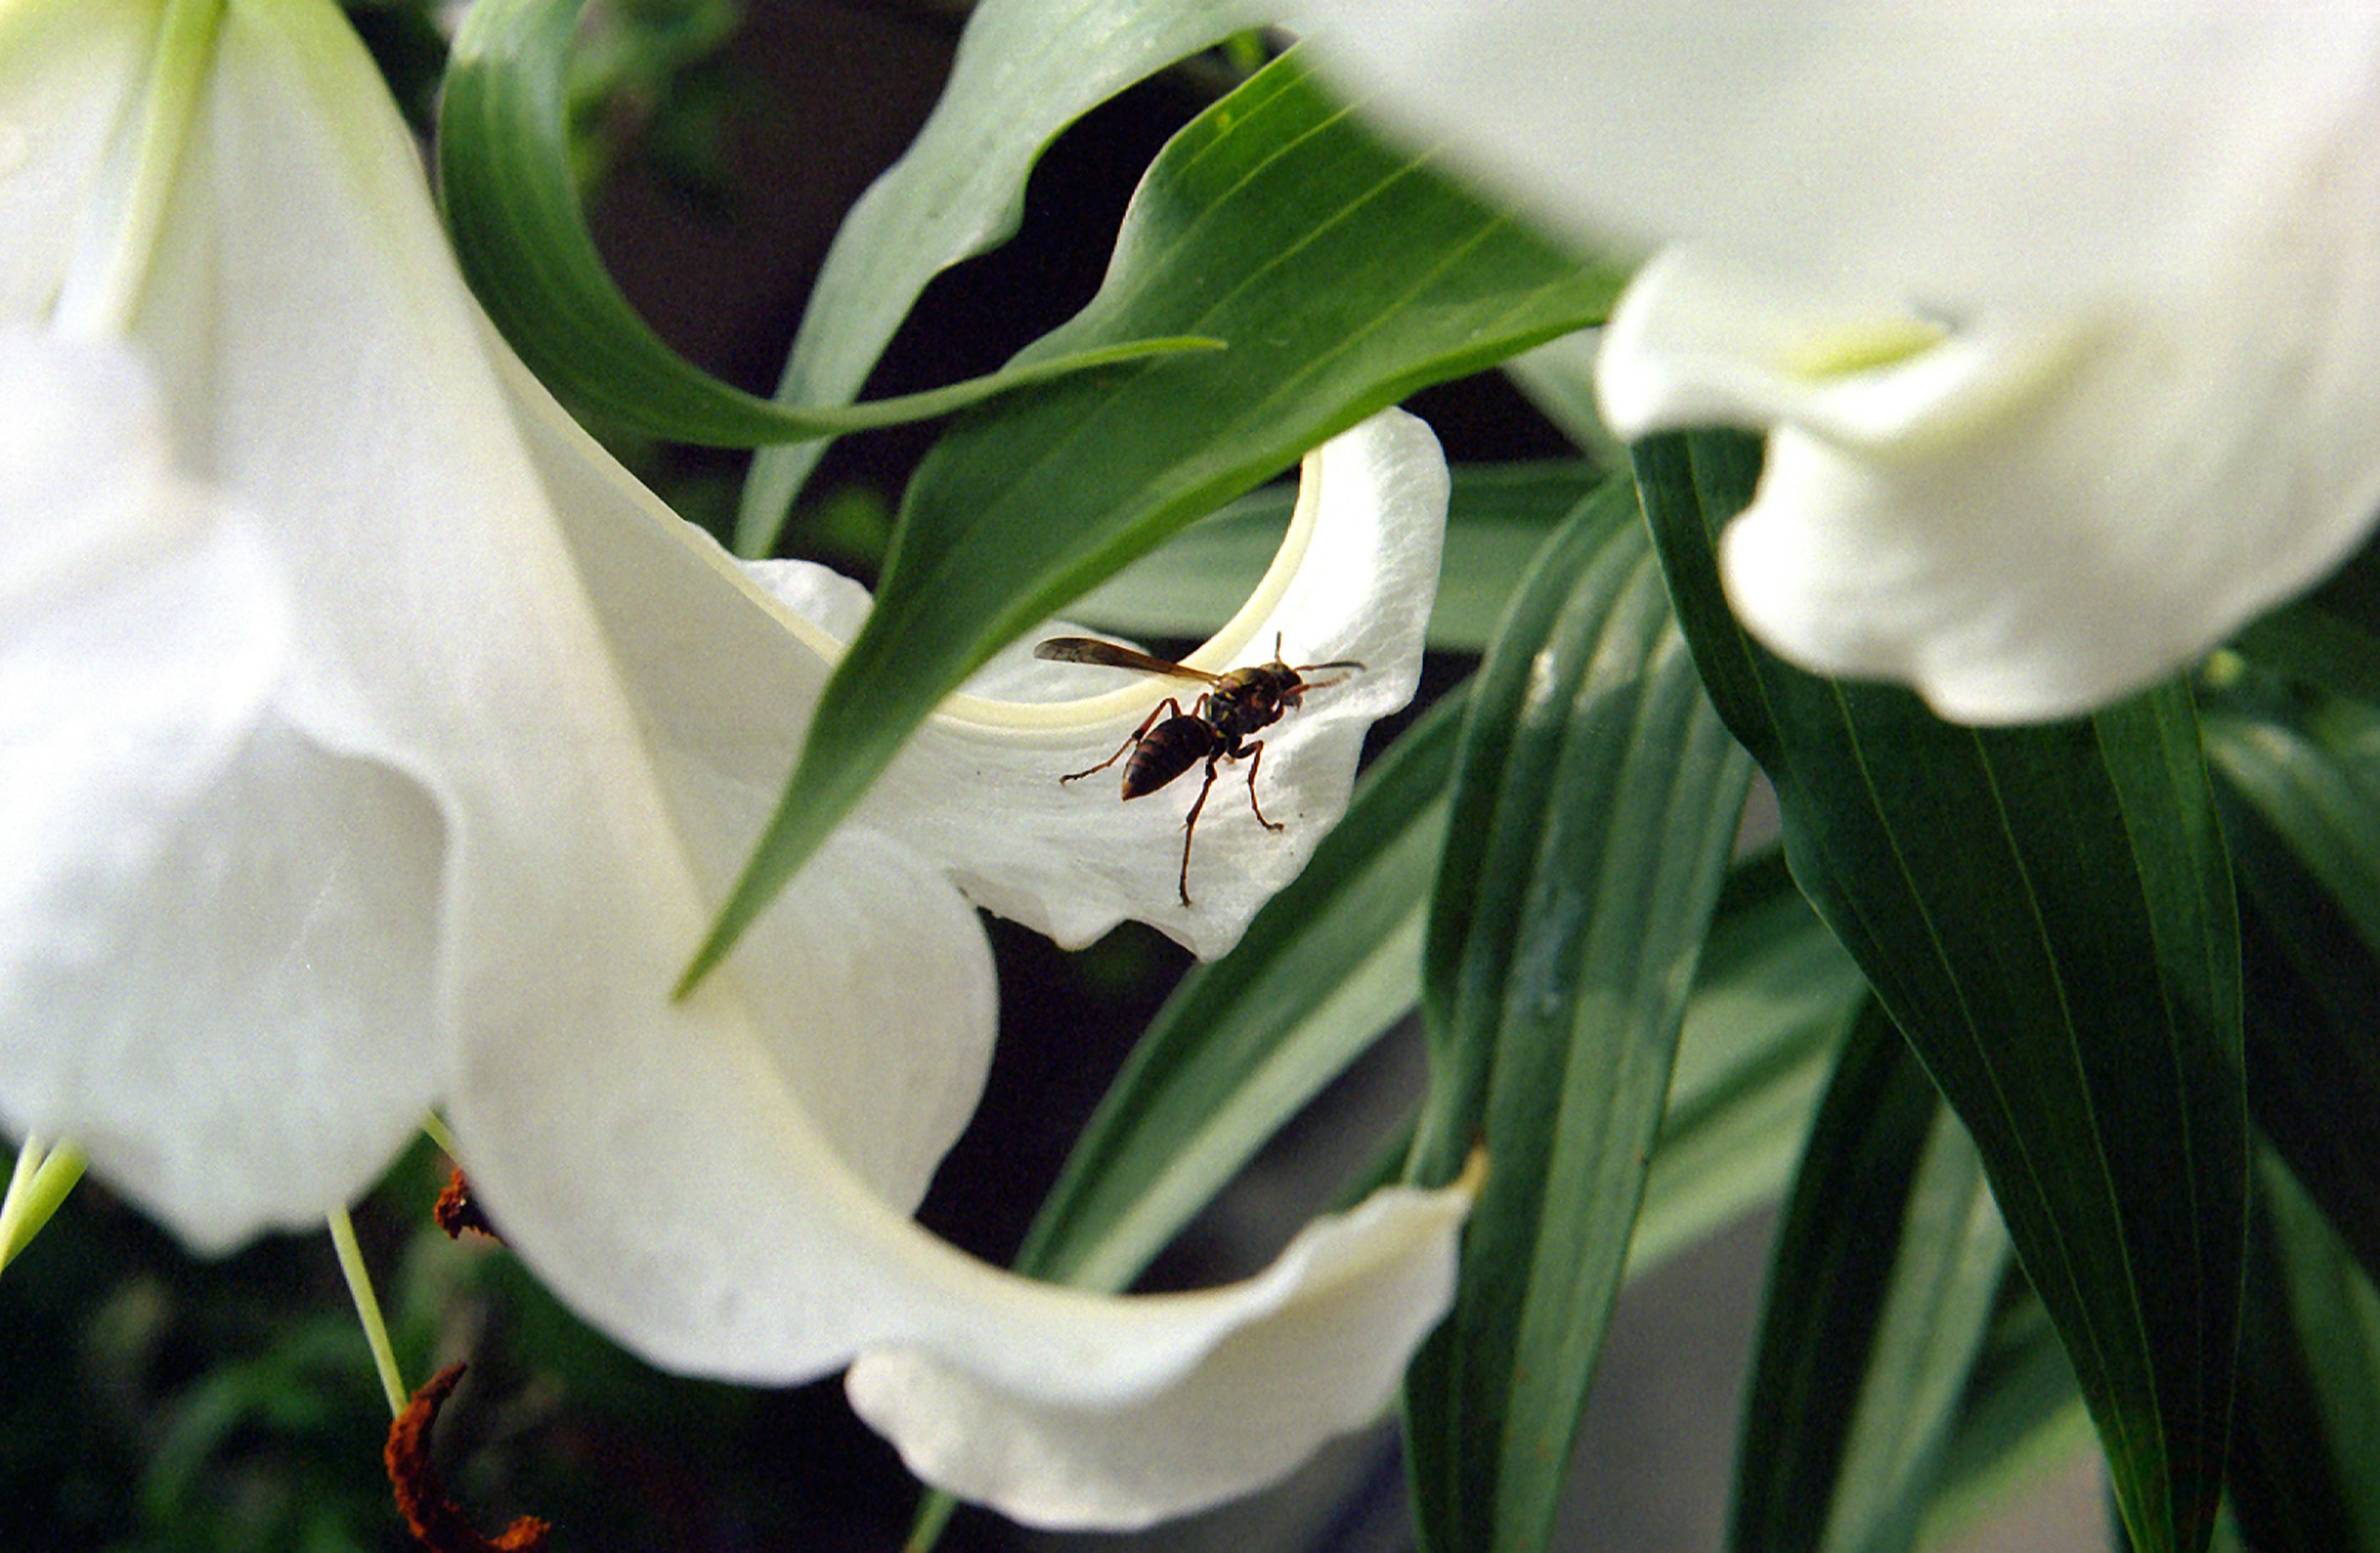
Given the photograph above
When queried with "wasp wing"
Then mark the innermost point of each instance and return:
(1108, 655)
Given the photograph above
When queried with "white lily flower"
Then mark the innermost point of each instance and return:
(2063, 320)
(383, 743)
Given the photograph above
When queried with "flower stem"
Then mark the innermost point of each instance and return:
(436, 1127)
(41, 1181)
(351, 1263)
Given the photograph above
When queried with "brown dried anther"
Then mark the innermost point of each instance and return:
(438, 1525)
(457, 1210)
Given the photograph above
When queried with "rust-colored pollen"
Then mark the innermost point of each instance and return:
(457, 1210)
(438, 1525)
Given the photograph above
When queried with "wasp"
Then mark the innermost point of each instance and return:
(1217, 726)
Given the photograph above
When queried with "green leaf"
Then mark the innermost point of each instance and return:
(2301, 814)
(512, 208)
(1595, 801)
(2337, 1313)
(2309, 1418)
(2314, 777)
(1880, 1293)
(1025, 71)
(1773, 996)
(1496, 518)
(1342, 274)
(2047, 915)
(2023, 1416)
(1246, 1041)
(2332, 636)
(1336, 958)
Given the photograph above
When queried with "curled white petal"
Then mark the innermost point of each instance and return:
(2139, 236)
(399, 832)
(1318, 1348)
(2022, 522)
(978, 788)
(705, 1185)
(891, 1043)
(233, 1027)
(741, 1242)
(1355, 581)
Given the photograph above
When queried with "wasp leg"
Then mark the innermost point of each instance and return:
(1130, 739)
(1190, 824)
(1256, 758)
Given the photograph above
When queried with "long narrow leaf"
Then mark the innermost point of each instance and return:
(512, 208)
(1025, 71)
(1341, 275)
(2309, 1418)
(1879, 1297)
(1596, 801)
(1497, 516)
(2313, 778)
(2047, 914)
(1772, 996)
(2023, 1416)
(2302, 818)
(1773, 993)
(2332, 636)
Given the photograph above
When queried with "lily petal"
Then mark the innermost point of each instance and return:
(415, 845)
(2061, 322)
(1318, 1347)
(1967, 148)
(712, 1225)
(2027, 517)
(1355, 581)
(979, 791)
(682, 1177)
(479, 792)
(193, 953)
(66, 73)
(881, 1005)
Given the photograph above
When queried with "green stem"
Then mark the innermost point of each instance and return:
(351, 1263)
(436, 1128)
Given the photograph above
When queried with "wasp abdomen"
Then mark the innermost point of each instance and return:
(1166, 751)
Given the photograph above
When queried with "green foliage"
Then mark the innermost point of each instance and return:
(2047, 915)
(510, 188)
(1887, 1268)
(1340, 275)
(1497, 517)
(1026, 69)
(1596, 798)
